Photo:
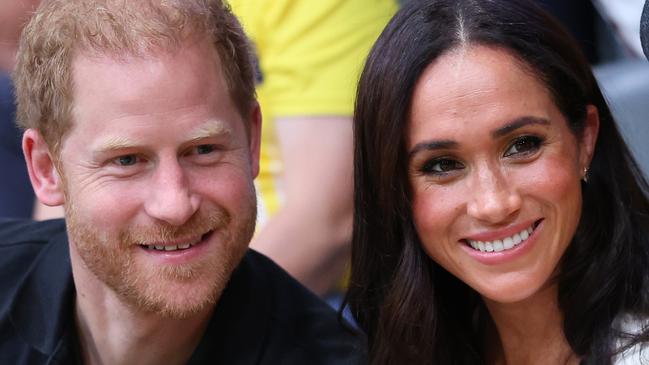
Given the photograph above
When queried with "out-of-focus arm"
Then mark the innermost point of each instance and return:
(310, 235)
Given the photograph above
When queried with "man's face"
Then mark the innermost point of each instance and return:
(157, 173)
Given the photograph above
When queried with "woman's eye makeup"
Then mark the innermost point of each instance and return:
(524, 146)
(446, 166)
(441, 166)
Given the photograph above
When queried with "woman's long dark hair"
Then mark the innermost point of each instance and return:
(414, 311)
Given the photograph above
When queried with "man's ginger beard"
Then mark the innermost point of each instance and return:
(177, 291)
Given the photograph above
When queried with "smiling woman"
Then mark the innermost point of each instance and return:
(492, 158)
(499, 217)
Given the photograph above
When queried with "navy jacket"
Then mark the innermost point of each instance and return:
(263, 317)
(16, 194)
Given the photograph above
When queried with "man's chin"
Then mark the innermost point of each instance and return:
(179, 302)
(177, 291)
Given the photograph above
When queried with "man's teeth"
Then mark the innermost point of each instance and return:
(504, 244)
(182, 246)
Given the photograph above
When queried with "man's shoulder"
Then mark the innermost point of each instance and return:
(23, 232)
(301, 321)
(21, 241)
(35, 290)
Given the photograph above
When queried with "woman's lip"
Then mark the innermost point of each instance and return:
(500, 234)
(496, 258)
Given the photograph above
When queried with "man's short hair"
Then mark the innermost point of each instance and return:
(63, 29)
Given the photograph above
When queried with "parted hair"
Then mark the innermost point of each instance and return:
(412, 310)
(62, 29)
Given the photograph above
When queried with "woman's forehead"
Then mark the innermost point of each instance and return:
(474, 86)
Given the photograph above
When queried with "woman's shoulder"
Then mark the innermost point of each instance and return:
(629, 327)
(637, 354)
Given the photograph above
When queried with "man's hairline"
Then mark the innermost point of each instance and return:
(192, 38)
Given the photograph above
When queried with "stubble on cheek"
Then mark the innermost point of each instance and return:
(171, 291)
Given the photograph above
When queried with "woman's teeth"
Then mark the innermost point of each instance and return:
(502, 245)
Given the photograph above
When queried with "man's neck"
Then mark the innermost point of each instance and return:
(113, 332)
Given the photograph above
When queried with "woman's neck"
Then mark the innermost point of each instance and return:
(528, 332)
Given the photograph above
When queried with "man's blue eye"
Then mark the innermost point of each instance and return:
(127, 160)
(205, 149)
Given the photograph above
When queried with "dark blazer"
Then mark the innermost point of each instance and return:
(263, 317)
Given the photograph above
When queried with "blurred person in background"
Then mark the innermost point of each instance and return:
(608, 33)
(606, 30)
(623, 18)
(310, 54)
(16, 194)
(644, 29)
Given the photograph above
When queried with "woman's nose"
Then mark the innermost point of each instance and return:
(493, 198)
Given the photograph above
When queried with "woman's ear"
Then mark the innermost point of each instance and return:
(43, 174)
(589, 137)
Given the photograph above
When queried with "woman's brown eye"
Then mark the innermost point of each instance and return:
(524, 145)
(441, 166)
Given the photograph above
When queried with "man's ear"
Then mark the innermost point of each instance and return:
(589, 137)
(43, 174)
(255, 138)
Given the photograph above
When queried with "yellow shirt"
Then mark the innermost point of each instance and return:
(310, 55)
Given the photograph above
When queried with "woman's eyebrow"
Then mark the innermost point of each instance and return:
(518, 123)
(443, 144)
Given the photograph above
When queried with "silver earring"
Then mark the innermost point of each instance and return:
(584, 176)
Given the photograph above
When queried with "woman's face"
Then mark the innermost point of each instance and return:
(495, 172)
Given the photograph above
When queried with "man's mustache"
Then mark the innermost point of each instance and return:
(201, 223)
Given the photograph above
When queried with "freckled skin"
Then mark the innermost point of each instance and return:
(462, 97)
(158, 152)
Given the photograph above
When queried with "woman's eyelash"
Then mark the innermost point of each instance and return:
(524, 146)
(440, 166)
(521, 147)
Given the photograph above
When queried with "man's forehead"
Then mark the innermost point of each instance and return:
(188, 72)
(184, 86)
(85, 55)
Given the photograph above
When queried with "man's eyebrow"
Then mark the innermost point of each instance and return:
(210, 129)
(518, 123)
(207, 130)
(116, 143)
(432, 145)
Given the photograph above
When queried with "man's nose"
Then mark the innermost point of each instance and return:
(493, 198)
(171, 198)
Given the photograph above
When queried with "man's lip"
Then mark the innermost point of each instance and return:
(192, 240)
(503, 233)
(179, 256)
